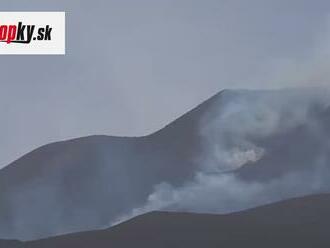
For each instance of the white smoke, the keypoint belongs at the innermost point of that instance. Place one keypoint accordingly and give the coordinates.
(229, 131)
(225, 193)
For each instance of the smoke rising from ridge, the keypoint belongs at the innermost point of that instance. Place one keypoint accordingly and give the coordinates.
(232, 131)
(237, 150)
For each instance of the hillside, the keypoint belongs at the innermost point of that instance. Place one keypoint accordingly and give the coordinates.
(300, 222)
(237, 150)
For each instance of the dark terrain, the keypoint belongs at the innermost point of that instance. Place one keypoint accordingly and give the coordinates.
(89, 183)
(301, 222)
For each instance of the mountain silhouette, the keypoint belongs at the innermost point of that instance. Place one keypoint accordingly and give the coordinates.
(262, 146)
(300, 222)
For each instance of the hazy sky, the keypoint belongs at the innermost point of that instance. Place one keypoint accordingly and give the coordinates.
(133, 66)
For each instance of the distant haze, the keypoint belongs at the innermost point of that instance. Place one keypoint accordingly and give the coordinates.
(133, 66)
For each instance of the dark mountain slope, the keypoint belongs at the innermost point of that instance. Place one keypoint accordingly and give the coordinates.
(301, 222)
(272, 143)
(87, 183)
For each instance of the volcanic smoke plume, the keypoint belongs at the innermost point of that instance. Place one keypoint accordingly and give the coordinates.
(237, 150)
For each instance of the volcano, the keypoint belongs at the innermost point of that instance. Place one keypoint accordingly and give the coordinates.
(239, 149)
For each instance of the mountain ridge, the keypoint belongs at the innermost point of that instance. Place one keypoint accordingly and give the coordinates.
(93, 182)
(299, 221)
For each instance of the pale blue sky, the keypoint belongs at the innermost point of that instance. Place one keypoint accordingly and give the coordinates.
(133, 66)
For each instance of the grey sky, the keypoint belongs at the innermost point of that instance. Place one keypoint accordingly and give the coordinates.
(133, 66)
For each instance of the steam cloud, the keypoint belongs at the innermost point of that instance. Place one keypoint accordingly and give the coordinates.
(229, 132)
(238, 150)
